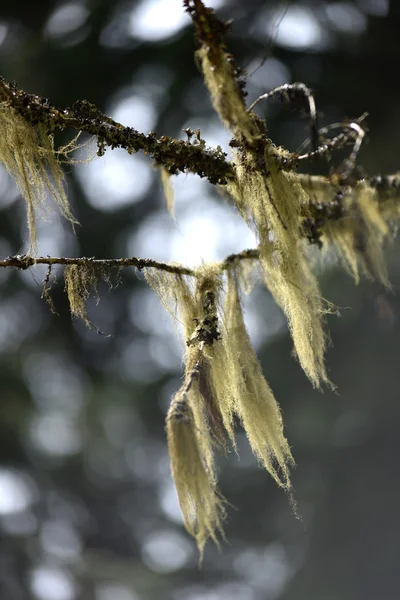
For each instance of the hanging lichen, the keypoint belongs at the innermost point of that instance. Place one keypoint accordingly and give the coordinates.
(222, 379)
(272, 201)
(255, 403)
(194, 422)
(27, 152)
(80, 281)
(268, 198)
(201, 503)
(168, 189)
(223, 88)
(359, 237)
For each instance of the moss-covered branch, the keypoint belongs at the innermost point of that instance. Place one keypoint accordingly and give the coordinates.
(182, 156)
(174, 155)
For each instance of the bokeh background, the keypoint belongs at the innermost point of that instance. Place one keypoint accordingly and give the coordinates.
(87, 506)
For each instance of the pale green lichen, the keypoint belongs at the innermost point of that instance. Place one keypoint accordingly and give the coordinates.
(27, 152)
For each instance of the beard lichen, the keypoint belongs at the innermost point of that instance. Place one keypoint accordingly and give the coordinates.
(223, 380)
(168, 190)
(359, 237)
(201, 503)
(80, 281)
(225, 94)
(255, 403)
(273, 202)
(27, 152)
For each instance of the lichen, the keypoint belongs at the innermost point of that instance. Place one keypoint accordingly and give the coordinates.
(27, 151)
(273, 202)
(201, 503)
(359, 237)
(168, 190)
(80, 282)
(223, 379)
(255, 403)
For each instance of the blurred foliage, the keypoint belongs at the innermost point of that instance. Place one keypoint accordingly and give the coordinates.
(87, 506)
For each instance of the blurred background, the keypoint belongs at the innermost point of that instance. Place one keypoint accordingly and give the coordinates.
(87, 506)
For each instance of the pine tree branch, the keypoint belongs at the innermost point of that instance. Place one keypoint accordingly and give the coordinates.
(25, 261)
(174, 155)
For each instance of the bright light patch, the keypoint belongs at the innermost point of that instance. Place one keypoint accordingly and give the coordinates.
(166, 551)
(66, 19)
(197, 236)
(299, 29)
(155, 20)
(266, 568)
(54, 382)
(55, 434)
(169, 502)
(212, 131)
(51, 583)
(8, 190)
(135, 111)
(114, 591)
(16, 495)
(116, 180)
(268, 76)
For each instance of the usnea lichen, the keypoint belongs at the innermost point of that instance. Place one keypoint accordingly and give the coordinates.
(80, 281)
(255, 403)
(359, 237)
(272, 201)
(168, 190)
(269, 199)
(224, 91)
(27, 152)
(223, 378)
(202, 505)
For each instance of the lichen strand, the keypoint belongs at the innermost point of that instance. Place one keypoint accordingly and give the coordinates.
(197, 308)
(222, 82)
(221, 73)
(222, 379)
(194, 422)
(27, 152)
(273, 202)
(359, 237)
(168, 190)
(80, 281)
(255, 403)
(201, 503)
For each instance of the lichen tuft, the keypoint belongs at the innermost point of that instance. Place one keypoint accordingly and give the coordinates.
(27, 151)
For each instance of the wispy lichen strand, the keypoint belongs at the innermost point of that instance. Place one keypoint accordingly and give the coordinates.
(223, 379)
(27, 152)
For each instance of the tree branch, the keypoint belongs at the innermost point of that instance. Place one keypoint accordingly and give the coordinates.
(25, 261)
(175, 155)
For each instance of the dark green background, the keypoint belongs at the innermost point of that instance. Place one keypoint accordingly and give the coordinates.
(86, 504)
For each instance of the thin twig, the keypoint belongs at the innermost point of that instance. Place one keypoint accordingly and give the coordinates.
(25, 261)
